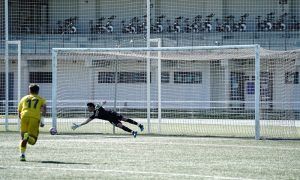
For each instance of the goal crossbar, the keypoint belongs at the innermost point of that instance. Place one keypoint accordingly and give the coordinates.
(55, 50)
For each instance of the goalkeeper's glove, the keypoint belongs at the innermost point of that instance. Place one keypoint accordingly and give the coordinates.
(100, 104)
(75, 126)
(97, 106)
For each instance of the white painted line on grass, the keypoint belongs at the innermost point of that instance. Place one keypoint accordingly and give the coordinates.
(127, 172)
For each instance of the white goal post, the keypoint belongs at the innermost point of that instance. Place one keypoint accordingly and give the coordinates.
(199, 90)
(7, 70)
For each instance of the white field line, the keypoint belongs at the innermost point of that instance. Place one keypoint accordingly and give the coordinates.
(166, 143)
(122, 171)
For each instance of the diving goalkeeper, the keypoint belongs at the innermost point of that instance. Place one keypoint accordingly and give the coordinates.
(113, 117)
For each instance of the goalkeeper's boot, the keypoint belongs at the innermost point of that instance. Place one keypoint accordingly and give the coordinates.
(141, 127)
(22, 157)
(134, 133)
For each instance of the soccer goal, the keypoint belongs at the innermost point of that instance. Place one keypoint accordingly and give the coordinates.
(232, 91)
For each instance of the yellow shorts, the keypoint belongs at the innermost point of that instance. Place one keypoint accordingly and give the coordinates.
(31, 126)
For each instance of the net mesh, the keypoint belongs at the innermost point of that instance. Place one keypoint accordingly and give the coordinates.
(43, 25)
(203, 92)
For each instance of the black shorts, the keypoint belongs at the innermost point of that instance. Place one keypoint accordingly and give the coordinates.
(114, 118)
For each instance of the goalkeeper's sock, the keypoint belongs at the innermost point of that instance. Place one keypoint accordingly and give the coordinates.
(126, 129)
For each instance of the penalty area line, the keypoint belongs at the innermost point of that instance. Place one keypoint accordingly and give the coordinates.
(127, 172)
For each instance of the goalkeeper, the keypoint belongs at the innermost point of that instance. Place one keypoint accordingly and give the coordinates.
(111, 116)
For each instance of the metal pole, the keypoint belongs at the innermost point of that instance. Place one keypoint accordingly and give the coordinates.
(19, 75)
(257, 92)
(158, 41)
(18, 43)
(116, 89)
(54, 87)
(159, 85)
(6, 65)
(19, 70)
(148, 67)
(6, 20)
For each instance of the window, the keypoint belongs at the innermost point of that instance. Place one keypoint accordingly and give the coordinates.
(2, 86)
(188, 77)
(132, 77)
(123, 77)
(296, 78)
(106, 77)
(40, 77)
(292, 78)
(282, 1)
(101, 63)
(165, 77)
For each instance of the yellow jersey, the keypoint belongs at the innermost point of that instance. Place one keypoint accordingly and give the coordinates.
(30, 106)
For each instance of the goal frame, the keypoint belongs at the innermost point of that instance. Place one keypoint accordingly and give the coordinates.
(6, 59)
(255, 47)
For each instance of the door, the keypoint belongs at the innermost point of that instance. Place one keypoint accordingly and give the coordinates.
(266, 90)
(10, 90)
(237, 90)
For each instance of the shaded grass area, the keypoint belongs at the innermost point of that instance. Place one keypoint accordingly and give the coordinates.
(149, 157)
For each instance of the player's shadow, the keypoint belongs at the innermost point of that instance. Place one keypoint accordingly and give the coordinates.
(60, 162)
(117, 137)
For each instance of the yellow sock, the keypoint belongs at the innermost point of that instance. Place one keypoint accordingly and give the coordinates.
(31, 140)
(22, 149)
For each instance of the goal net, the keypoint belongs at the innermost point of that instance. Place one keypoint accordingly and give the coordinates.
(198, 91)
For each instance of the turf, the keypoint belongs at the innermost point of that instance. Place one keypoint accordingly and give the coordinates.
(100, 156)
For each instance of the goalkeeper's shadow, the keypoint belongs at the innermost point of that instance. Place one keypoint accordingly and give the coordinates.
(60, 162)
(100, 135)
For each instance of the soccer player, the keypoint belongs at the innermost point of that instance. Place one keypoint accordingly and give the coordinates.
(111, 116)
(29, 109)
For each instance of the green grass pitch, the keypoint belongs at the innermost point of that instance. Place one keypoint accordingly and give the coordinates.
(102, 156)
